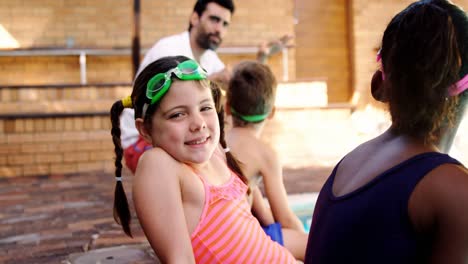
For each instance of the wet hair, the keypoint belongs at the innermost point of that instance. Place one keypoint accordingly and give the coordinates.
(122, 213)
(423, 55)
(200, 7)
(252, 91)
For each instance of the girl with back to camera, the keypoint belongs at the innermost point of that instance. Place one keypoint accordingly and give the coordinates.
(189, 194)
(397, 198)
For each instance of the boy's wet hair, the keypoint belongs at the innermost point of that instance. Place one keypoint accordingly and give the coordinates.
(423, 54)
(122, 213)
(252, 90)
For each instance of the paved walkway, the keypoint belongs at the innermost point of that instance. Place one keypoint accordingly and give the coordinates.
(45, 219)
(55, 219)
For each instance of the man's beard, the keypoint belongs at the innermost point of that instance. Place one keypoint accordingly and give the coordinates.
(204, 41)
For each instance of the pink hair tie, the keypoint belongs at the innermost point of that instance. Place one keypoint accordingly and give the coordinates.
(459, 87)
(379, 59)
(379, 56)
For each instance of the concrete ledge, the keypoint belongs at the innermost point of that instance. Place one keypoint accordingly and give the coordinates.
(123, 51)
(14, 116)
(141, 254)
(300, 95)
(65, 85)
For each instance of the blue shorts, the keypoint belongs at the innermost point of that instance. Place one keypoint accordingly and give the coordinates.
(274, 231)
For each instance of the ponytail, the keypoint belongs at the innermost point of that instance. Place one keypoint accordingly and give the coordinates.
(232, 162)
(121, 210)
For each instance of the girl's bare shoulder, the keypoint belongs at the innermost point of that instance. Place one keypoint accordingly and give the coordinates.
(442, 195)
(156, 160)
(447, 179)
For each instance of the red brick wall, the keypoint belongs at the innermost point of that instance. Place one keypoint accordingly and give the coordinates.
(55, 146)
(327, 45)
(338, 39)
(109, 23)
(65, 145)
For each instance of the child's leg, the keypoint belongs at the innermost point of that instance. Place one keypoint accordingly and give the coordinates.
(296, 242)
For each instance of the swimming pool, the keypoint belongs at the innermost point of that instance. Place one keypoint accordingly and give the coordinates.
(303, 206)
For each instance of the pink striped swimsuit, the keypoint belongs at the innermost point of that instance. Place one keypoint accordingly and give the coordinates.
(229, 233)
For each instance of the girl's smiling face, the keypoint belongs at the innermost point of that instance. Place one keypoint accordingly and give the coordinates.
(186, 124)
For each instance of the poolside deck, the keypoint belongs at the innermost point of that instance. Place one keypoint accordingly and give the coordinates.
(45, 219)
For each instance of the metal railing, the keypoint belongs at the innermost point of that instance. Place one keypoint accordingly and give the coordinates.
(82, 54)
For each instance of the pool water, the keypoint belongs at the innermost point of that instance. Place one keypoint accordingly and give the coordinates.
(303, 206)
(306, 221)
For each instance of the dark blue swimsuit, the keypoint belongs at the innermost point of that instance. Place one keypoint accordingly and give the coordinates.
(371, 224)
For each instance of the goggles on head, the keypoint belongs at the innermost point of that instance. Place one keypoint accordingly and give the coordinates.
(458, 88)
(159, 84)
(379, 59)
(250, 118)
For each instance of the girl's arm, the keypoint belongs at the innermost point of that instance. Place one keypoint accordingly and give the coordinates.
(275, 191)
(158, 203)
(260, 209)
(438, 207)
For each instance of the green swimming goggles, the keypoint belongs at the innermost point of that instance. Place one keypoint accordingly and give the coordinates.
(159, 84)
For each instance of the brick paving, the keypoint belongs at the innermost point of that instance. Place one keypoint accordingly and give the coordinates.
(45, 219)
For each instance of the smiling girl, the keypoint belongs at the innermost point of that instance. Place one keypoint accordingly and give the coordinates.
(189, 193)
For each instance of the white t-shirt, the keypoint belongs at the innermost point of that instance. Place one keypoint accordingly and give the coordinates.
(180, 45)
(168, 46)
